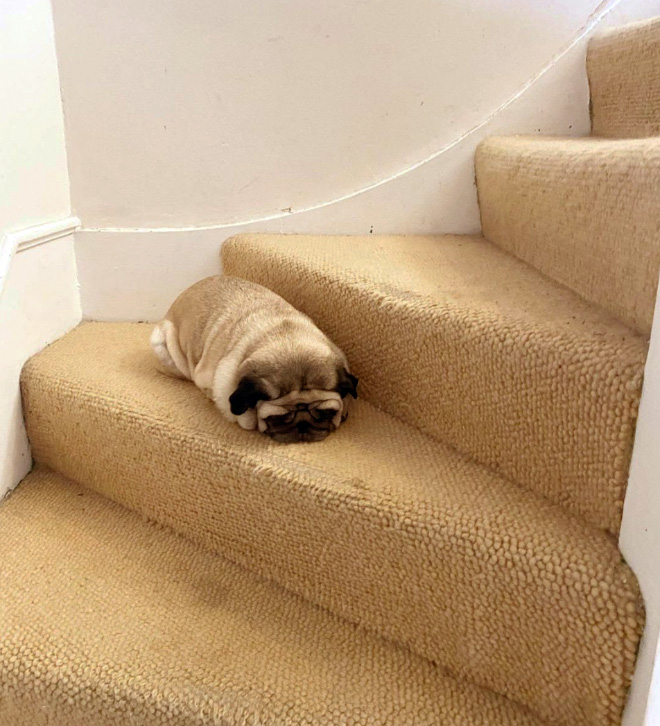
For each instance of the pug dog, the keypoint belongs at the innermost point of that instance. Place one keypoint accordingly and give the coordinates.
(263, 363)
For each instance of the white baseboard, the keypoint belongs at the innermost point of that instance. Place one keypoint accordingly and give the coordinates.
(22, 239)
(39, 302)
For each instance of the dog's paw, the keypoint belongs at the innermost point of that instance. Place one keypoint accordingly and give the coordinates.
(158, 342)
(248, 420)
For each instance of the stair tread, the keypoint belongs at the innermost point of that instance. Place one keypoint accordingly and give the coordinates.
(487, 341)
(379, 523)
(109, 619)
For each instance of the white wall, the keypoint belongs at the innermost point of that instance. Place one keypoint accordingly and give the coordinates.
(34, 185)
(40, 297)
(653, 702)
(263, 114)
(192, 113)
(135, 275)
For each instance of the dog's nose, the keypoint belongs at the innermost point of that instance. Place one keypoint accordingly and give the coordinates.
(303, 427)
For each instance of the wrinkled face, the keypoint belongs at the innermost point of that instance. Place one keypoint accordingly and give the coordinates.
(294, 405)
(301, 416)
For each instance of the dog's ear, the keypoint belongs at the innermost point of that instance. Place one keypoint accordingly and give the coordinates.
(246, 396)
(346, 384)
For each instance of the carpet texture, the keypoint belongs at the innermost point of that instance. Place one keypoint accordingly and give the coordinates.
(467, 343)
(379, 524)
(624, 79)
(585, 212)
(186, 638)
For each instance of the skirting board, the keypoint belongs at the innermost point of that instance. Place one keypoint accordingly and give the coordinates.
(13, 242)
(39, 302)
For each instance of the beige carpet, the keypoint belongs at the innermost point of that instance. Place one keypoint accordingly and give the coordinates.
(379, 523)
(586, 212)
(108, 620)
(624, 79)
(472, 346)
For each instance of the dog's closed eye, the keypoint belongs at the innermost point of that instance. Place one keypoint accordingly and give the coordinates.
(282, 420)
(323, 414)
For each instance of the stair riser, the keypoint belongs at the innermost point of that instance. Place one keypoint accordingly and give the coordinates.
(480, 384)
(624, 79)
(586, 217)
(335, 546)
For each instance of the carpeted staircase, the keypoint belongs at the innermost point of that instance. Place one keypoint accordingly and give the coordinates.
(448, 557)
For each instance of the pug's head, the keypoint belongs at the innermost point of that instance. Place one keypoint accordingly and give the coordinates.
(305, 401)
